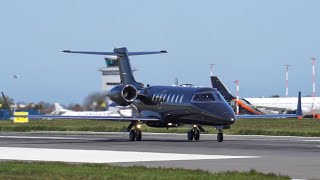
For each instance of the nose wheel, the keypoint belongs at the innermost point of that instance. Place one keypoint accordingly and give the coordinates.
(193, 134)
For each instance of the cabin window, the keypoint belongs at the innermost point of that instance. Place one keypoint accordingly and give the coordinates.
(157, 97)
(160, 98)
(153, 97)
(164, 98)
(168, 98)
(177, 98)
(172, 98)
(181, 98)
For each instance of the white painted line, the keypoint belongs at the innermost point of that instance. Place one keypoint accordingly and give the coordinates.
(148, 133)
(312, 140)
(98, 156)
(40, 137)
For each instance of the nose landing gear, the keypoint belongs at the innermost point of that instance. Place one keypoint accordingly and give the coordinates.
(220, 136)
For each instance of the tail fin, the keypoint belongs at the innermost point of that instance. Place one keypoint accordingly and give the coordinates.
(216, 83)
(122, 55)
(59, 110)
(7, 104)
(58, 107)
(299, 108)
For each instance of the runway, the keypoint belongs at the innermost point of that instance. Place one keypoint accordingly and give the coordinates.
(297, 157)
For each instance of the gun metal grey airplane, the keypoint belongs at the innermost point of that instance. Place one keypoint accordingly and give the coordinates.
(163, 106)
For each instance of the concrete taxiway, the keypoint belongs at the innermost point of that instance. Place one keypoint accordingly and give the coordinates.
(297, 157)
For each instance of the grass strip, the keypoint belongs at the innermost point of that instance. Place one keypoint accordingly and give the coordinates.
(277, 127)
(41, 170)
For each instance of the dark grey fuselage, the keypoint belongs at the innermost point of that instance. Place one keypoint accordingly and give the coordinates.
(175, 104)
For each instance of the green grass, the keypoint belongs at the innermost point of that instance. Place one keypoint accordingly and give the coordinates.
(40, 170)
(288, 127)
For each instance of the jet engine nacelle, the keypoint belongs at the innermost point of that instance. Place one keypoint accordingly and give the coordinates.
(123, 94)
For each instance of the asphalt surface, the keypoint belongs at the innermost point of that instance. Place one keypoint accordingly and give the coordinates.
(297, 157)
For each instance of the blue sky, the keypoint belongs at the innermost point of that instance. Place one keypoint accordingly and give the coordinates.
(247, 40)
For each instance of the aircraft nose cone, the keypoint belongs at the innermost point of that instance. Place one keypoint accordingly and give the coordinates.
(229, 117)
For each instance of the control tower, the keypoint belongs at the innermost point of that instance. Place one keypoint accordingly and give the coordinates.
(110, 75)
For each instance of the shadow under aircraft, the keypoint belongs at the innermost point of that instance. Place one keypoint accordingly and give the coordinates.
(164, 106)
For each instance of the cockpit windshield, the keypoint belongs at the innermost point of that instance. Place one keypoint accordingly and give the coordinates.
(203, 97)
(207, 97)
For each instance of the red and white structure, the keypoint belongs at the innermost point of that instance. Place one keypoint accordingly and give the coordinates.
(237, 94)
(287, 79)
(314, 85)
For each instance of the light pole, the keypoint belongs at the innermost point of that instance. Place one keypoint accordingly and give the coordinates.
(237, 94)
(313, 85)
(211, 69)
(287, 79)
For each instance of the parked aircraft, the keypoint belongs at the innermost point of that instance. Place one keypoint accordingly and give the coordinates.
(277, 105)
(164, 106)
(244, 106)
(59, 110)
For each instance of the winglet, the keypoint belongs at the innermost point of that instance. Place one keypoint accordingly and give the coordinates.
(7, 104)
(299, 107)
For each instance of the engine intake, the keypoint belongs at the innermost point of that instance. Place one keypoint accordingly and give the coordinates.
(123, 94)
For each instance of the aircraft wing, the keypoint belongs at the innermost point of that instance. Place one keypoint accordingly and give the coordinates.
(102, 118)
(266, 116)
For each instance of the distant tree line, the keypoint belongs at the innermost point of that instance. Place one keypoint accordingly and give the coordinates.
(93, 102)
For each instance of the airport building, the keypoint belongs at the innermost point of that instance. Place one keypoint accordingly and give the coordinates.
(110, 75)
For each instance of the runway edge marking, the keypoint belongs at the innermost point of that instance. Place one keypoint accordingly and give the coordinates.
(101, 156)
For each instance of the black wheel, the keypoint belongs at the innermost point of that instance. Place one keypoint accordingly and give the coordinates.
(220, 137)
(196, 135)
(132, 135)
(190, 134)
(138, 135)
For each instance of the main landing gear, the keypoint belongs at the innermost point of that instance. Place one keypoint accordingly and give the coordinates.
(194, 133)
(135, 134)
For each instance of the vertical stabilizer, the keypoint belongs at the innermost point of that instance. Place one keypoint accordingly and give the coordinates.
(299, 107)
(126, 74)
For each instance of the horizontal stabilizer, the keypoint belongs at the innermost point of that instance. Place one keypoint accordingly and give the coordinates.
(115, 54)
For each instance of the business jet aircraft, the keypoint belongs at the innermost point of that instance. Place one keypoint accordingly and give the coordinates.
(163, 106)
(279, 105)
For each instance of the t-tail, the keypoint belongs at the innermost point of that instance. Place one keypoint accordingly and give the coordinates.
(122, 55)
(216, 83)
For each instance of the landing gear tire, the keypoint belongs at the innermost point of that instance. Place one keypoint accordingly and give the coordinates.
(138, 135)
(132, 135)
(135, 135)
(220, 137)
(190, 134)
(196, 135)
